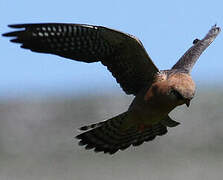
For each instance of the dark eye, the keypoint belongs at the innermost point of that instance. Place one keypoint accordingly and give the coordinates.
(177, 94)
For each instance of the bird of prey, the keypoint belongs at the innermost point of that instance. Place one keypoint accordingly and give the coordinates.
(157, 92)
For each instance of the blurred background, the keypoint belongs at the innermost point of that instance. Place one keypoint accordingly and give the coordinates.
(45, 98)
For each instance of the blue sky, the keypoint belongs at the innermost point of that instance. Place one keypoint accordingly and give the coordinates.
(166, 28)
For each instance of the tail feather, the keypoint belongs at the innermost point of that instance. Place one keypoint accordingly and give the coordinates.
(109, 136)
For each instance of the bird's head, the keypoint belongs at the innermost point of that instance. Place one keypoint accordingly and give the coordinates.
(172, 91)
(181, 88)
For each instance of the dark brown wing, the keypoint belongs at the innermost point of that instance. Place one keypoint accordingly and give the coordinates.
(123, 54)
(187, 61)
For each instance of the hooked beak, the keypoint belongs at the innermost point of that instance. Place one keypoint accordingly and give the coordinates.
(187, 102)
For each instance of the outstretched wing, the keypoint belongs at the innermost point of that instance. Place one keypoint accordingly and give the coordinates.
(187, 61)
(123, 54)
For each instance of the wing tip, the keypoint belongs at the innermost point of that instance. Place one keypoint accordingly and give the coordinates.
(16, 40)
(213, 32)
(17, 25)
(6, 34)
(215, 26)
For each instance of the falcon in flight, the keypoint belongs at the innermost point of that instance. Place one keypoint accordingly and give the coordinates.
(157, 92)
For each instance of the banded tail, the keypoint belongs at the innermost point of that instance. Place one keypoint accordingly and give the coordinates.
(112, 135)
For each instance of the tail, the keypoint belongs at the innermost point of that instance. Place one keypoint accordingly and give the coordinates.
(112, 135)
